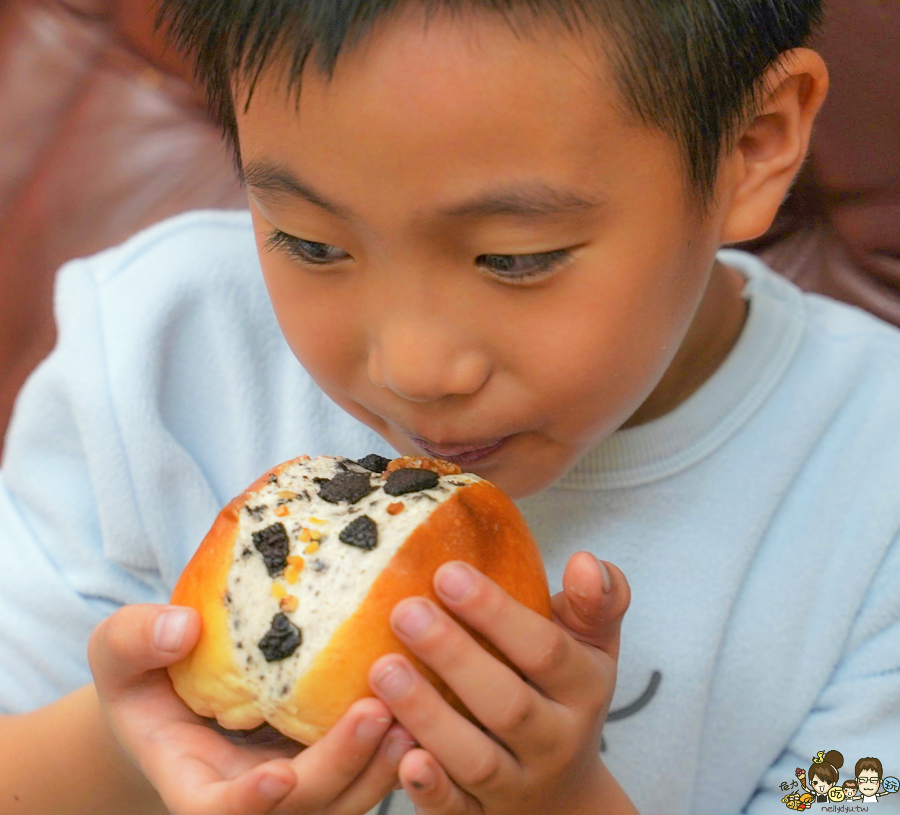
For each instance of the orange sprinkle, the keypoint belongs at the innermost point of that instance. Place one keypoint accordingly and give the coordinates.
(295, 560)
(315, 534)
(438, 465)
(316, 520)
(291, 573)
(396, 508)
(278, 591)
(304, 535)
(312, 548)
(287, 494)
(282, 510)
(288, 603)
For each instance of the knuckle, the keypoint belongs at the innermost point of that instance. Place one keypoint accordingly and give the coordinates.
(484, 772)
(553, 654)
(117, 640)
(444, 646)
(519, 714)
(95, 644)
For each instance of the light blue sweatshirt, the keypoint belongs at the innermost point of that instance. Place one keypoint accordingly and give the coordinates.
(757, 523)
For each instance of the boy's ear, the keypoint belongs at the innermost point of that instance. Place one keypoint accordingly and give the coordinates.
(771, 148)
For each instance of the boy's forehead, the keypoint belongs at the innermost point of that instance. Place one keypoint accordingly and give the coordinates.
(529, 116)
(456, 68)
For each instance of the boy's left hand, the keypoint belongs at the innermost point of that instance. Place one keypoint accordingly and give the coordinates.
(541, 751)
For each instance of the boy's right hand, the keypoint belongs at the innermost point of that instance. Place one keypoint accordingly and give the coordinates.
(196, 770)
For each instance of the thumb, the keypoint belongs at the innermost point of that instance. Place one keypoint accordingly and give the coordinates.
(593, 601)
(137, 639)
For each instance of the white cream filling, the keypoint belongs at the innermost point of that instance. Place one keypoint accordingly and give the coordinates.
(334, 579)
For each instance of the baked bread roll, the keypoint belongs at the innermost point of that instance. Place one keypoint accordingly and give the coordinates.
(296, 580)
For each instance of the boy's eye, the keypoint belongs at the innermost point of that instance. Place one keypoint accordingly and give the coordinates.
(315, 254)
(522, 267)
(507, 267)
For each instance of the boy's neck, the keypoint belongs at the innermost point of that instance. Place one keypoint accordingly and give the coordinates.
(710, 338)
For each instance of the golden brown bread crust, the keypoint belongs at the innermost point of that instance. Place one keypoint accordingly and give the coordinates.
(477, 524)
(207, 679)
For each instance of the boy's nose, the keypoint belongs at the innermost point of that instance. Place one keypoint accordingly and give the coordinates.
(425, 365)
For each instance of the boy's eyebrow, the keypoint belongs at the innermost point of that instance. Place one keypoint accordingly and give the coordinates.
(528, 199)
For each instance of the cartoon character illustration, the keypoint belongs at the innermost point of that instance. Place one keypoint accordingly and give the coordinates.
(823, 774)
(869, 773)
(797, 801)
(850, 791)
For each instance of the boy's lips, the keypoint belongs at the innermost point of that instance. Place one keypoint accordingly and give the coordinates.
(460, 453)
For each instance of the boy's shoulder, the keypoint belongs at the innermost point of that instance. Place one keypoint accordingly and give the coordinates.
(200, 239)
(836, 344)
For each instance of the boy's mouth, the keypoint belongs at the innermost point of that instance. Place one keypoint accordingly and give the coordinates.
(461, 453)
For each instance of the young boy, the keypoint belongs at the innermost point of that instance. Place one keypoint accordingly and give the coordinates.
(487, 232)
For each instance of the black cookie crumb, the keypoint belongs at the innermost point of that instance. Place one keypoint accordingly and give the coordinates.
(320, 480)
(272, 543)
(318, 565)
(256, 512)
(349, 487)
(374, 463)
(281, 640)
(348, 465)
(408, 479)
(246, 552)
(361, 532)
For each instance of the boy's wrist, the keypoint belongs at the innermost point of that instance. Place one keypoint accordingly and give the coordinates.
(130, 781)
(91, 773)
(608, 797)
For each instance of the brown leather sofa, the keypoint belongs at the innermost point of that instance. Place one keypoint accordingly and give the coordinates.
(102, 133)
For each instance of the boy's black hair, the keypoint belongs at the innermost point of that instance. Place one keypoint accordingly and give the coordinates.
(691, 68)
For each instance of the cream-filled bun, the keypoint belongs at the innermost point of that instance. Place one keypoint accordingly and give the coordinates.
(296, 580)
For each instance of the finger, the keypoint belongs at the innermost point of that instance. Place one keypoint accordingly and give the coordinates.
(137, 639)
(379, 777)
(471, 757)
(594, 599)
(528, 723)
(430, 788)
(329, 766)
(190, 785)
(562, 668)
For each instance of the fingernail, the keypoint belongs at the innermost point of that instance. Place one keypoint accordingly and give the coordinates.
(456, 581)
(423, 780)
(170, 628)
(397, 748)
(415, 618)
(395, 680)
(273, 786)
(370, 729)
(607, 580)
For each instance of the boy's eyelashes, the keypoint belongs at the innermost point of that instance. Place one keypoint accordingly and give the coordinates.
(506, 267)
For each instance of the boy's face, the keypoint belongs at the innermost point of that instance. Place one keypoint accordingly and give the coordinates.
(438, 149)
(869, 781)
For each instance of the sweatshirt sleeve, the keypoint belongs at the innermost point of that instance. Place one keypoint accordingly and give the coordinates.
(59, 543)
(858, 711)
